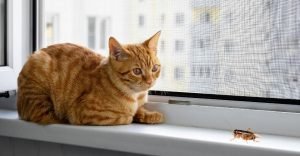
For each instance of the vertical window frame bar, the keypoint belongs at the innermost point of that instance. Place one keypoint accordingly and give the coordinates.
(37, 21)
(5, 55)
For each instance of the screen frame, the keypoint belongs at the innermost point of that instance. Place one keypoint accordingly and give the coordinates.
(36, 44)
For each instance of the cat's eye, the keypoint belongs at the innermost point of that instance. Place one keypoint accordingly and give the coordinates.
(155, 68)
(137, 71)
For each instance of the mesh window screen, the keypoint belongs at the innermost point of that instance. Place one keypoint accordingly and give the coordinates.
(228, 47)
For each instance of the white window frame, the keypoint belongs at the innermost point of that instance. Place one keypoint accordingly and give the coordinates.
(16, 43)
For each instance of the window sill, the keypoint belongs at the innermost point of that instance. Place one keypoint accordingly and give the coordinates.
(161, 139)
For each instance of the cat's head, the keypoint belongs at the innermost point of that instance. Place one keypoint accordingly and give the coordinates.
(136, 65)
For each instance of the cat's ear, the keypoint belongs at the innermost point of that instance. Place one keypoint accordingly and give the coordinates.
(152, 42)
(116, 50)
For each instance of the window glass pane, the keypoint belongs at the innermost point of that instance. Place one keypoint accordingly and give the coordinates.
(228, 47)
(2, 32)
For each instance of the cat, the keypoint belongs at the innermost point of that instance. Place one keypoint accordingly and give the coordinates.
(71, 84)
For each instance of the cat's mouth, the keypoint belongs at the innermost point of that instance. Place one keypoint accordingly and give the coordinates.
(142, 87)
(149, 85)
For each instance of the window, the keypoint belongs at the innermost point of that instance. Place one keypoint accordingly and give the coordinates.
(198, 43)
(201, 72)
(229, 17)
(207, 17)
(98, 30)
(229, 75)
(194, 69)
(141, 20)
(207, 42)
(104, 30)
(2, 32)
(228, 46)
(179, 18)
(162, 45)
(207, 72)
(197, 71)
(15, 41)
(162, 19)
(240, 72)
(52, 31)
(239, 38)
(179, 45)
(92, 32)
(178, 73)
(162, 73)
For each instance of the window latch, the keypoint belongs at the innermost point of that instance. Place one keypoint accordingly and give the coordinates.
(179, 102)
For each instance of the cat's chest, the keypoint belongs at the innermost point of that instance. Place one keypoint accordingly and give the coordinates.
(134, 106)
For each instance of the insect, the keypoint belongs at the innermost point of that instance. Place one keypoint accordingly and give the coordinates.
(245, 134)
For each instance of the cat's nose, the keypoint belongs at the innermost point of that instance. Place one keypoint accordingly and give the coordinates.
(149, 81)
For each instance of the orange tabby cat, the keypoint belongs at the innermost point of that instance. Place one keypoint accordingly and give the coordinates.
(67, 83)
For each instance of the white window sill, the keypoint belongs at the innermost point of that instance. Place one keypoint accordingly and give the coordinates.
(161, 139)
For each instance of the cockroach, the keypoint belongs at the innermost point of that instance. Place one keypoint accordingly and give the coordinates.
(245, 134)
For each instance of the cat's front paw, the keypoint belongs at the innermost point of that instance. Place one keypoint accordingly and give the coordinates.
(149, 118)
